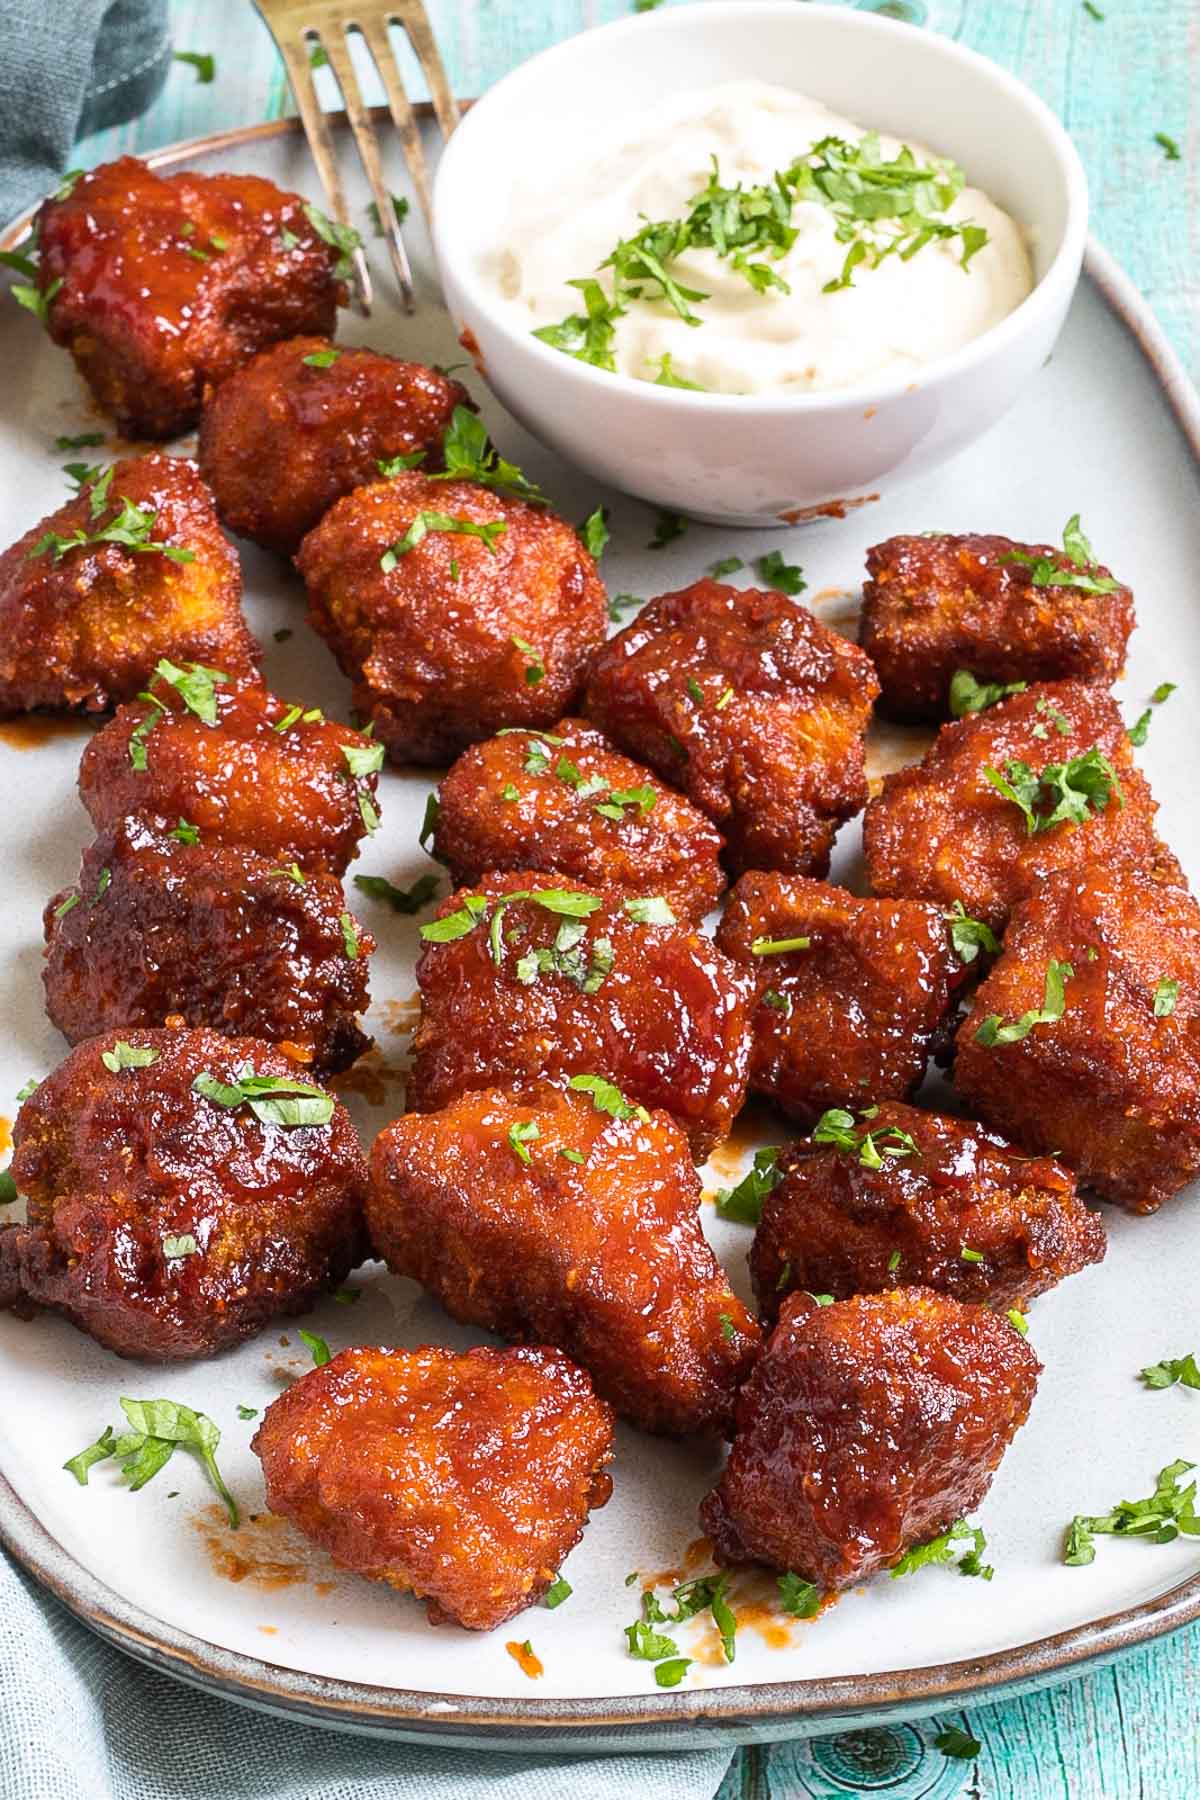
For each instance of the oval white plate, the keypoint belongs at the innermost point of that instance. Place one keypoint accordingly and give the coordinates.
(260, 1616)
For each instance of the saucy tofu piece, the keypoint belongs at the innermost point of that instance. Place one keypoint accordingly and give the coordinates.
(520, 979)
(902, 1198)
(169, 1221)
(160, 285)
(1002, 799)
(158, 927)
(535, 1214)
(852, 995)
(867, 1427)
(463, 1479)
(1005, 611)
(239, 766)
(85, 616)
(752, 707)
(1084, 1039)
(453, 609)
(306, 422)
(568, 803)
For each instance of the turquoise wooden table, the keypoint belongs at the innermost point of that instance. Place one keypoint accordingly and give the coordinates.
(1116, 81)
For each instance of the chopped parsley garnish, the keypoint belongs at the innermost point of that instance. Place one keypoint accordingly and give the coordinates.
(521, 1133)
(130, 527)
(87, 440)
(1167, 145)
(594, 533)
(535, 669)
(620, 604)
(728, 565)
(391, 466)
(1018, 1321)
(780, 1003)
(970, 696)
(837, 1128)
(1139, 730)
(942, 1550)
(66, 906)
(273, 1099)
(726, 1324)
(156, 1427)
(428, 822)
(363, 759)
(8, 1187)
(969, 936)
(586, 968)
(128, 1056)
(195, 685)
(183, 833)
(510, 791)
(1078, 571)
(765, 946)
(666, 376)
(36, 300)
(992, 1031)
(469, 455)
(1092, 10)
(606, 1097)
(247, 1412)
(203, 61)
(317, 1348)
(399, 213)
(1064, 792)
(969, 1255)
(401, 900)
(557, 1592)
(27, 1088)
(321, 359)
(1167, 1512)
(457, 924)
(668, 527)
(801, 1599)
(368, 814)
(1165, 1374)
(705, 1593)
(572, 1156)
(952, 1740)
(292, 872)
(1166, 994)
(670, 1673)
(346, 1296)
(745, 1201)
(425, 522)
(614, 805)
(785, 578)
(650, 909)
(342, 238)
(349, 936)
(175, 1248)
(297, 715)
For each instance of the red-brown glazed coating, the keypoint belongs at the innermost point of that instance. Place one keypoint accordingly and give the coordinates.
(666, 1018)
(121, 1167)
(285, 790)
(599, 1252)
(1113, 1085)
(941, 831)
(835, 1224)
(166, 283)
(434, 644)
(752, 707)
(932, 605)
(463, 1479)
(85, 630)
(572, 804)
(867, 1427)
(306, 422)
(212, 934)
(852, 1018)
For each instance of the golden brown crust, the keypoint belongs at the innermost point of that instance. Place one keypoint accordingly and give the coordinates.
(1110, 1087)
(752, 707)
(853, 1018)
(85, 630)
(214, 935)
(286, 436)
(836, 1225)
(431, 643)
(520, 801)
(940, 831)
(116, 1165)
(465, 1479)
(867, 1427)
(932, 605)
(285, 790)
(171, 282)
(667, 1022)
(600, 1253)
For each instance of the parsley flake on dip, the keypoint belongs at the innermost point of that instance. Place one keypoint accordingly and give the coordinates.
(743, 239)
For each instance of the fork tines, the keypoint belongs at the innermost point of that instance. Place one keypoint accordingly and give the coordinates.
(301, 27)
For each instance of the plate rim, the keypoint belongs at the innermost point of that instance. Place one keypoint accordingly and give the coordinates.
(724, 1715)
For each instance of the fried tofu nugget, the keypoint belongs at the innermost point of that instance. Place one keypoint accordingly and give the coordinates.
(907, 1197)
(454, 610)
(134, 568)
(161, 284)
(852, 994)
(752, 707)
(171, 1221)
(530, 1212)
(463, 1479)
(521, 979)
(306, 422)
(933, 605)
(238, 766)
(867, 1427)
(1085, 1038)
(158, 927)
(570, 804)
(1062, 791)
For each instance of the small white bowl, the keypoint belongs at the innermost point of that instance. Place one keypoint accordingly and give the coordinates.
(762, 459)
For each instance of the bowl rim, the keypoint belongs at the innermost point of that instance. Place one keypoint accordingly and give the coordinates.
(458, 275)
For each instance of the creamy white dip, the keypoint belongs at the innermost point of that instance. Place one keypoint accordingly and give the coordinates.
(895, 317)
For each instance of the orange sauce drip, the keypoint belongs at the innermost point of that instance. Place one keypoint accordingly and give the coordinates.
(526, 1661)
(754, 1125)
(36, 729)
(264, 1550)
(401, 1016)
(5, 1134)
(371, 1077)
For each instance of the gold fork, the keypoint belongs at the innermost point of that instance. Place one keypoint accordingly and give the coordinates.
(299, 28)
